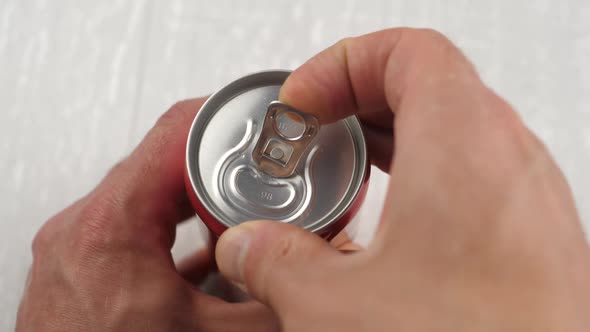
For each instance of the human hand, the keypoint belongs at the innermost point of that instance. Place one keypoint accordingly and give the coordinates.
(479, 230)
(104, 263)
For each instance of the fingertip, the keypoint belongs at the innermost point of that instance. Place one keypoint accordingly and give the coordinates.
(320, 87)
(259, 254)
(304, 94)
(232, 249)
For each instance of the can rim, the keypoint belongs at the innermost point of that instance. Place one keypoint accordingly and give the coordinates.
(222, 96)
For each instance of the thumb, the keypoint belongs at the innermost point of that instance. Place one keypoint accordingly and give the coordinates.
(271, 259)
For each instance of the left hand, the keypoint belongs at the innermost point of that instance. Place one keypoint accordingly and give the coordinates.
(104, 263)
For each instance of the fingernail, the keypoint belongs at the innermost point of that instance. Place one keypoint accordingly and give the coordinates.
(232, 250)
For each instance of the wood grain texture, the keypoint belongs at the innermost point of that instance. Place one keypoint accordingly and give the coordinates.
(68, 89)
(82, 81)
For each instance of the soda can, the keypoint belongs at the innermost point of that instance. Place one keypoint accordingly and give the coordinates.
(250, 157)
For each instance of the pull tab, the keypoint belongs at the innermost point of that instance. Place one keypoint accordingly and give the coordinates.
(286, 134)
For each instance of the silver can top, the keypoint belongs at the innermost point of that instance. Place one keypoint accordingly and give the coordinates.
(250, 158)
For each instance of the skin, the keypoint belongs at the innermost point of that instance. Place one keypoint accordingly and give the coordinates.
(479, 231)
(104, 263)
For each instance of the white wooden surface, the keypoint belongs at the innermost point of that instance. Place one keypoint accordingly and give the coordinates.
(82, 81)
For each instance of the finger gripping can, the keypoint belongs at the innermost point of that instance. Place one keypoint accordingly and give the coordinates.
(250, 157)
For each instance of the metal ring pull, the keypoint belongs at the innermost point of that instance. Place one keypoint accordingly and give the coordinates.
(286, 134)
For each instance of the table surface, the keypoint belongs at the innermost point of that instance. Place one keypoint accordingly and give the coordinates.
(82, 81)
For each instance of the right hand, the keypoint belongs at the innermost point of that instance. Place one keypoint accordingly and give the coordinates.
(479, 230)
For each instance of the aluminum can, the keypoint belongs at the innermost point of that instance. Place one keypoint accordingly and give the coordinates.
(250, 157)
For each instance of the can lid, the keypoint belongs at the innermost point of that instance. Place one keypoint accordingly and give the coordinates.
(250, 157)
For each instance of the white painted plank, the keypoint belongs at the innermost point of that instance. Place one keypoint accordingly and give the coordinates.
(67, 93)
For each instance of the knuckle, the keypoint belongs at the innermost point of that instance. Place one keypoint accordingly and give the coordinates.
(48, 235)
(431, 35)
(42, 239)
(345, 42)
(165, 131)
(424, 37)
(535, 144)
(118, 168)
(429, 44)
(98, 224)
(506, 135)
(525, 143)
(177, 113)
(52, 231)
(505, 123)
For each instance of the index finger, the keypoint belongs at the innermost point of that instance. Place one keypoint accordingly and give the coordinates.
(373, 72)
